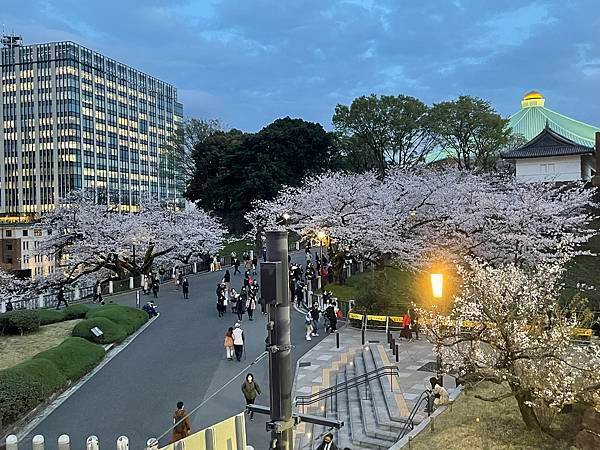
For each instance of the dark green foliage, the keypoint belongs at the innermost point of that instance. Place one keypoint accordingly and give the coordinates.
(19, 322)
(74, 357)
(389, 291)
(112, 331)
(130, 319)
(232, 169)
(76, 311)
(49, 316)
(25, 386)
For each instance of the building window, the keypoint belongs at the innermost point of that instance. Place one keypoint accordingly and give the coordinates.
(8, 233)
(25, 233)
(37, 232)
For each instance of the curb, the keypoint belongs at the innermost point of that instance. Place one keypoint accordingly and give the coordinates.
(54, 404)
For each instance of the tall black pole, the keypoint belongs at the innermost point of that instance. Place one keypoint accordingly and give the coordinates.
(280, 367)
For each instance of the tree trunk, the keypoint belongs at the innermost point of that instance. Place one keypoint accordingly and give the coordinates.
(527, 412)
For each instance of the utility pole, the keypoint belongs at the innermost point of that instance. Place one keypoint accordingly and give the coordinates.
(279, 347)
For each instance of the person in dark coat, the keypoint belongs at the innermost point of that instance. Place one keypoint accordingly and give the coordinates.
(155, 288)
(251, 390)
(181, 423)
(236, 266)
(9, 306)
(240, 305)
(60, 297)
(185, 288)
(327, 443)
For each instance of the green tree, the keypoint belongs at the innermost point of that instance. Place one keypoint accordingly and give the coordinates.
(232, 169)
(470, 132)
(394, 130)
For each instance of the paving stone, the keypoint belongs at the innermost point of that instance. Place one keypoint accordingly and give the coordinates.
(325, 357)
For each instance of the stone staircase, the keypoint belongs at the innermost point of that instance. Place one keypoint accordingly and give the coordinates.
(374, 413)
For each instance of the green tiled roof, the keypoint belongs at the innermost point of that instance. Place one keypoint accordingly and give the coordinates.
(531, 120)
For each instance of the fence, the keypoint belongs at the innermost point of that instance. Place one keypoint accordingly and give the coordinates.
(227, 434)
(80, 294)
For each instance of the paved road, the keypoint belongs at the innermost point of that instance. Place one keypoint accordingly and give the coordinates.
(179, 357)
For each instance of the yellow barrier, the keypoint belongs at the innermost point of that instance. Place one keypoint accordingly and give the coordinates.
(376, 318)
(223, 434)
(355, 316)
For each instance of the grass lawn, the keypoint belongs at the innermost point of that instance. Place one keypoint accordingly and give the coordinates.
(500, 426)
(16, 349)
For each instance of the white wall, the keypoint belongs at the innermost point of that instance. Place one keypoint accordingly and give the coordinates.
(588, 167)
(555, 168)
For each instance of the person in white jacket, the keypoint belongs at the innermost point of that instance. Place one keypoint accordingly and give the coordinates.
(238, 341)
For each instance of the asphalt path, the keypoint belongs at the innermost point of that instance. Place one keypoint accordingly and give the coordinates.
(178, 357)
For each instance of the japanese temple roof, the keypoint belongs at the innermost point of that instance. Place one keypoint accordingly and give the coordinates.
(548, 143)
(534, 116)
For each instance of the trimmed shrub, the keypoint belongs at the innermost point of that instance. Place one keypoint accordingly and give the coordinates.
(129, 318)
(19, 322)
(112, 331)
(74, 357)
(25, 386)
(49, 316)
(76, 312)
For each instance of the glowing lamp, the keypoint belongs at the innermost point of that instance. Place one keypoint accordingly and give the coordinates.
(437, 285)
(286, 216)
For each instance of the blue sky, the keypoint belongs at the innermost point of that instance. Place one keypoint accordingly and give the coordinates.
(248, 62)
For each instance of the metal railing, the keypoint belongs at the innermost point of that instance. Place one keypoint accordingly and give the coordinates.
(375, 374)
(410, 423)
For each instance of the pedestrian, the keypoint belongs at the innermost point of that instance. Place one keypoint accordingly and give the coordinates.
(327, 443)
(60, 298)
(440, 394)
(240, 305)
(264, 254)
(161, 274)
(308, 256)
(314, 313)
(146, 284)
(221, 307)
(308, 323)
(97, 292)
(238, 341)
(251, 390)
(415, 326)
(331, 316)
(228, 343)
(185, 288)
(406, 326)
(251, 305)
(254, 265)
(227, 280)
(181, 423)
(236, 266)
(155, 288)
(150, 309)
(263, 306)
(9, 306)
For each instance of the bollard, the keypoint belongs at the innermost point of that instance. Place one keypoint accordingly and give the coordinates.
(363, 336)
(38, 442)
(393, 346)
(64, 442)
(137, 299)
(131, 283)
(92, 443)
(389, 337)
(123, 443)
(195, 267)
(152, 444)
(12, 443)
(337, 339)
(397, 353)
(111, 287)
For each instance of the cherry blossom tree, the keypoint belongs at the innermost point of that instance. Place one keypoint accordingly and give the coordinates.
(91, 239)
(408, 216)
(507, 326)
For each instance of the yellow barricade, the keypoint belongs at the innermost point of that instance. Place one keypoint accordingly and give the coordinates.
(355, 316)
(583, 332)
(376, 318)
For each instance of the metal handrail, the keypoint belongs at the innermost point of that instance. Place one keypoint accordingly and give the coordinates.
(304, 400)
(425, 396)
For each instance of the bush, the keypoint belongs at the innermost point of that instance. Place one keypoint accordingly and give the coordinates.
(19, 322)
(49, 316)
(76, 312)
(74, 357)
(25, 386)
(128, 318)
(112, 332)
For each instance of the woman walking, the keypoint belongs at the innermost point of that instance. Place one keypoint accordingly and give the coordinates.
(228, 343)
(240, 307)
(227, 280)
(181, 423)
(251, 390)
(251, 306)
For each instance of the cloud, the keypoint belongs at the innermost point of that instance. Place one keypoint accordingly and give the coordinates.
(249, 62)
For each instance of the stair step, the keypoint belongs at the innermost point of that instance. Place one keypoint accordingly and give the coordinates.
(344, 435)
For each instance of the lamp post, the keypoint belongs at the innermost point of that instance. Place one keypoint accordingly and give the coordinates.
(321, 235)
(437, 291)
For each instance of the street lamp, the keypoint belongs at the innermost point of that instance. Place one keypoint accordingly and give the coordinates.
(437, 285)
(286, 216)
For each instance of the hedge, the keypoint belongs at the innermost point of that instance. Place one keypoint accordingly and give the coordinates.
(128, 318)
(112, 332)
(49, 316)
(74, 357)
(76, 311)
(25, 386)
(19, 322)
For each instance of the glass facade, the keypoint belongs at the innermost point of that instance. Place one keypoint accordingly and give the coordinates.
(74, 119)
